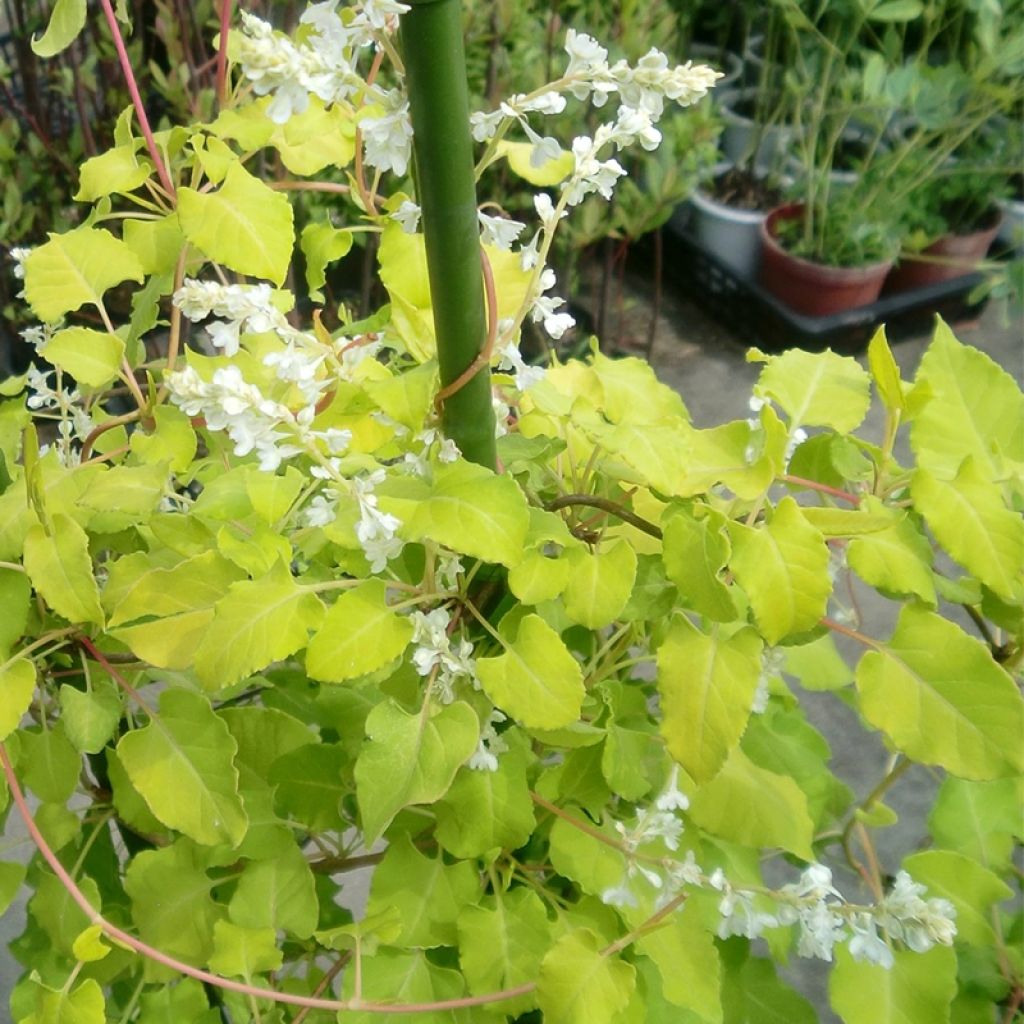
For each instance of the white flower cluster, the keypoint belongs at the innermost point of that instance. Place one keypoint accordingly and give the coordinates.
(376, 530)
(431, 439)
(323, 64)
(63, 405)
(485, 758)
(813, 903)
(254, 422)
(545, 307)
(435, 652)
(512, 361)
(241, 306)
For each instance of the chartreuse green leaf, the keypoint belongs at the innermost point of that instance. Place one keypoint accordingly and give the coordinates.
(592, 864)
(319, 137)
(885, 372)
(816, 389)
(752, 993)
(157, 243)
(278, 893)
(599, 584)
(322, 244)
(917, 989)
(17, 685)
(410, 759)
(257, 622)
(972, 889)
(359, 635)
(473, 511)
(941, 699)
(91, 357)
(550, 171)
(971, 521)
(428, 894)
(66, 22)
(538, 577)
(755, 807)
(117, 170)
(707, 685)
(242, 952)
(696, 551)
(402, 977)
(979, 819)
(536, 681)
(172, 440)
(171, 900)
(580, 985)
(244, 225)
(308, 787)
(172, 1004)
(485, 811)
(11, 877)
(183, 596)
(90, 716)
(973, 408)
(782, 741)
(897, 560)
(133, 491)
(61, 919)
(83, 1004)
(76, 268)
(783, 567)
(182, 765)
(818, 665)
(630, 390)
(502, 942)
(89, 945)
(687, 960)
(59, 566)
(15, 599)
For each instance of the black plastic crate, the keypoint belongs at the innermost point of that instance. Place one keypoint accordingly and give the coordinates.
(759, 318)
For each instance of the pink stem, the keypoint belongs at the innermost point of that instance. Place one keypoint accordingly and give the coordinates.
(133, 90)
(222, 53)
(799, 481)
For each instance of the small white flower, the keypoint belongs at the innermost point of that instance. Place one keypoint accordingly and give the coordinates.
(387, 140)
(499, 231)
(525, 375)
(672, 798)
(485, 759)
(867, 945)
(408, 215)
(619, 895)
(19, 254)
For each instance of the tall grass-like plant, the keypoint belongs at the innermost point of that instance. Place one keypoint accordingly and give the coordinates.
(266, 624)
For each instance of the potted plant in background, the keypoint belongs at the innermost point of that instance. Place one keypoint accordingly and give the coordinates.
(844, 234)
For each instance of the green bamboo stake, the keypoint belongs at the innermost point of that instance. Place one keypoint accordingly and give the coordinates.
(435, 67)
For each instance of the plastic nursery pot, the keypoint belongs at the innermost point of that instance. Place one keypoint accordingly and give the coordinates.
(730, 233)
(947, 258)
(740, 133)
(813, 289)
(1011, 231)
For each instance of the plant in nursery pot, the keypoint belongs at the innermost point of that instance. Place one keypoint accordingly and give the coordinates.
(951, 220)
(519, 639)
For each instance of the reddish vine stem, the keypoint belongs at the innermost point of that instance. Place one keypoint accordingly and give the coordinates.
(484, 357)
(97, 655)
(98, 431)
(853, 634)
(255, 991)
(133, 91)
(222, 53)
(813, 485)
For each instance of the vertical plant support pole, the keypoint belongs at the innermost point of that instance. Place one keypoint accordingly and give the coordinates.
(435, 68)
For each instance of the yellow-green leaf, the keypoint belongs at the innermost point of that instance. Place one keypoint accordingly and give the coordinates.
(599, 584)
(61, 570)
(76, 268)
(941, 699)
(549, 172)
(66, 22)
(245, 225)
(17, 685)
(707, 685)
(360, 634)
(117, 170)
(537, 681)
(182, 763)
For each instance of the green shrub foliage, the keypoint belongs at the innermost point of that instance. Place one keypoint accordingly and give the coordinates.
(265, 628)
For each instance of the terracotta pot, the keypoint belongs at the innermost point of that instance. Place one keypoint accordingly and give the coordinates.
(813, 288)
(955, 255)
